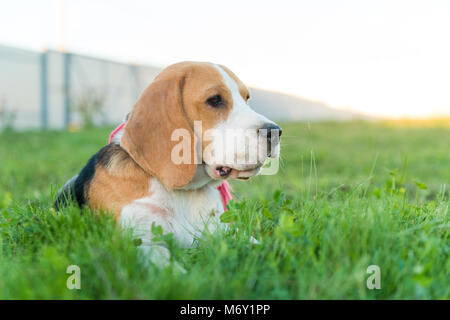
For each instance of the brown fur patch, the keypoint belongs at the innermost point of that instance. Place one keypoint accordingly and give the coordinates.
(118, 181)
(147, 135)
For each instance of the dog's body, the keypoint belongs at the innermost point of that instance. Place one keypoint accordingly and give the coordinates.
(112, 181)
(137, 176)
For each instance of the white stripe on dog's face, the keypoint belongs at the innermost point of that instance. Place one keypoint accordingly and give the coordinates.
(241, 116)
(235, 141)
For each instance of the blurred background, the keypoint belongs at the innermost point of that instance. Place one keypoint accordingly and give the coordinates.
(68, 63)
(361, 89)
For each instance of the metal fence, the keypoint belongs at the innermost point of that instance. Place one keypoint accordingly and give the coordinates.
(53, 89)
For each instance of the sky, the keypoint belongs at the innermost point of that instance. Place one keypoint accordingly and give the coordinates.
(385, 58)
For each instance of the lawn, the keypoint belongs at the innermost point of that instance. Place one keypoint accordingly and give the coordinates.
(347, 196)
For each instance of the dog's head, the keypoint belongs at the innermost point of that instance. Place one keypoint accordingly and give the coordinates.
(196, 113)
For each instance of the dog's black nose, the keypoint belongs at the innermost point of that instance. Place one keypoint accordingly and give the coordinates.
(270, 128)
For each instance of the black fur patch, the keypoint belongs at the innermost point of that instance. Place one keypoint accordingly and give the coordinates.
(105, 155)
(79, 188)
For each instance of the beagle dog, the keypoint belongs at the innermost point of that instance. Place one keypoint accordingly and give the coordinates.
(159, 169)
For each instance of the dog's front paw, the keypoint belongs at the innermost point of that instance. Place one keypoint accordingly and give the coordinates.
(178, 268)
(160, 257)
(253, 240)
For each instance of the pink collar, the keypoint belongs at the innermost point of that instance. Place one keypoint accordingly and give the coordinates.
(224, 188)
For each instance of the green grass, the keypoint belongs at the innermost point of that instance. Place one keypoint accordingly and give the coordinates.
(348, 195)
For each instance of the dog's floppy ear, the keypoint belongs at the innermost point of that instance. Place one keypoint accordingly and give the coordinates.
(147, 134)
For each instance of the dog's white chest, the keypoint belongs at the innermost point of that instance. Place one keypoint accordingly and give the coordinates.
(185, 213)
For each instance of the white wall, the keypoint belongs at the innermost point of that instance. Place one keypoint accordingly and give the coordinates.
(20, 86)
(118, 84)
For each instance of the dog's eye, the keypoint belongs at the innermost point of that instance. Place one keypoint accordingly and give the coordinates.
(215, 101)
